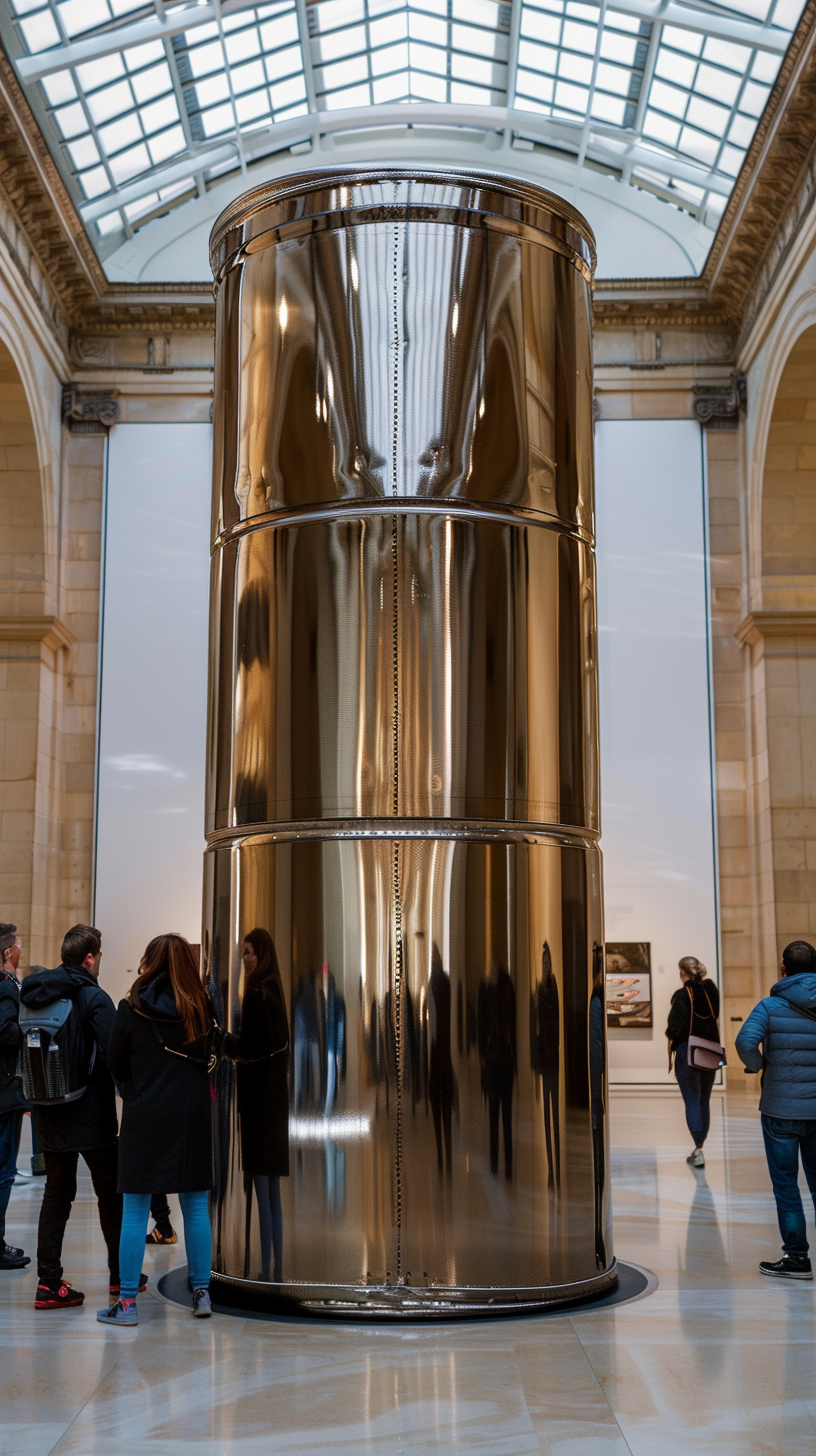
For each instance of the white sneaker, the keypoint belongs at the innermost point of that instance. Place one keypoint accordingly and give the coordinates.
(696, 1159)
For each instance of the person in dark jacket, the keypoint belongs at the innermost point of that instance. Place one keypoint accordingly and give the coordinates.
(497, 1053)
(12, 1103)
(86, 1127)
(440, 1061)
(545, 1049)
(261, 1050)
(161, 1055)
(779, 1039)
(694, 1011)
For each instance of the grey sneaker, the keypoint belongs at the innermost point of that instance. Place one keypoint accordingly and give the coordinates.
(696, 1159)
(118, 1314)
(202, 1309)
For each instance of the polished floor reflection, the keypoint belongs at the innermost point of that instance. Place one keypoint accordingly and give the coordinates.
(717, 1360)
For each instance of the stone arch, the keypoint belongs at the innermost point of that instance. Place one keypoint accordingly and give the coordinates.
(788, 520)
(30, 640)
(783, 632)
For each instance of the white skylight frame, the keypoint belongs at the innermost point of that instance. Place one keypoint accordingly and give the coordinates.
(169, 95)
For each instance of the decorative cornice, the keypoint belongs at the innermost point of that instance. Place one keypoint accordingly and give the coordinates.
(50, 631)
(32, 182)
(771, 197)
(758, 626)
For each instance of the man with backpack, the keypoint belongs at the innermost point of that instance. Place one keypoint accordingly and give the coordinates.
(779, 1039)
(12, 1104)
(66, 1021)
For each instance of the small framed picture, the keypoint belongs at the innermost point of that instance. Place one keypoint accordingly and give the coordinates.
(629, 984)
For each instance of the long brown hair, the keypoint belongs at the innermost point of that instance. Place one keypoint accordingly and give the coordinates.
(267, 968)
(174, 954)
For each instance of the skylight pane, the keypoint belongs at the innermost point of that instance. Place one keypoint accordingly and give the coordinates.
(59, 87)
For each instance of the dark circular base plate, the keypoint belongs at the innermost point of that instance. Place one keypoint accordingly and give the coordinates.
(249, 1301)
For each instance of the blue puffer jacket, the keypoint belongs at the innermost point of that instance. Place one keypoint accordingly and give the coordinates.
(788, 1047)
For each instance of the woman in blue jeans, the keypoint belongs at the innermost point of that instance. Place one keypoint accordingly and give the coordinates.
(160, 1055)
(697, 1004)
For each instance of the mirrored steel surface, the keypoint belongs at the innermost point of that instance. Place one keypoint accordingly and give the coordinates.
(402, 755)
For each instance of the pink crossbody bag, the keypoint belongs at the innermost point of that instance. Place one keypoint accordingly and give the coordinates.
(707, 1056)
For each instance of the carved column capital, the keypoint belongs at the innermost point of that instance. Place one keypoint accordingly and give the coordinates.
(719, 406)
(89, 411)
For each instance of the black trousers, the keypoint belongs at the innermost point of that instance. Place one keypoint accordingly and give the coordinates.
(500, 1096)
(159, 1208)
(58, 1198)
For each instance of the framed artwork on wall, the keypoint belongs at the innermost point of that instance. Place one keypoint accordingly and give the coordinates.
(629, 984)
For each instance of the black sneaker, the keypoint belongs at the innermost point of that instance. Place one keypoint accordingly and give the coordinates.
(790, 1266)
(57, 1296)
(11, 1258)
(114, 1287)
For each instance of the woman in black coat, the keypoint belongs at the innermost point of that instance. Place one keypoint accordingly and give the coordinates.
(261, 1050)
(161, 1057)
(694, 1008)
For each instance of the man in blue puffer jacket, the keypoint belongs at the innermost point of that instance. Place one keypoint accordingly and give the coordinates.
(783, 1025)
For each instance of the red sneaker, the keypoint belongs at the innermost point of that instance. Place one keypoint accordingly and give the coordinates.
(57, 1296)
(114, 1289)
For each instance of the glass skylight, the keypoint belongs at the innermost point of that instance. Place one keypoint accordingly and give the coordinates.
(145, 104)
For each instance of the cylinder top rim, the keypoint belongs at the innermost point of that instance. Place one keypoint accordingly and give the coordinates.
(480, 191)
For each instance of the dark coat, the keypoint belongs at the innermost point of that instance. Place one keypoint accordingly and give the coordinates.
(263, 1080)
(166, 1139)
(11, 1087)
(705, 1025)
(788, 1042)
(90, 1122)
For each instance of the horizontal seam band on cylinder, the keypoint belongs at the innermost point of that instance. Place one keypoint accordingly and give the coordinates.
(403, 506)
(502, 831)
(388, 214)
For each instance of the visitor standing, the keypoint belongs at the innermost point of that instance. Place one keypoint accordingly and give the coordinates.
(779, 1039)
(161, 1053)
(83, 1127)
(694, 1010)
(12, 1103)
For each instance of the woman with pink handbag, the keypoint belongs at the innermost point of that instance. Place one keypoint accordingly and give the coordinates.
(694, 1041)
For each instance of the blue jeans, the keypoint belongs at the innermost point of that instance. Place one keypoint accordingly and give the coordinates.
(784, 1141)
(196, 1215)
(10, 1127)
(695, 1085)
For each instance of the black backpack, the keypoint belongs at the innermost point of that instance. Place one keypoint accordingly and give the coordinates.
(57, 1052)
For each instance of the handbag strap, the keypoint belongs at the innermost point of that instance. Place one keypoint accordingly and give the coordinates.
(209, 1065)
(710, 1008)
(798, 1009)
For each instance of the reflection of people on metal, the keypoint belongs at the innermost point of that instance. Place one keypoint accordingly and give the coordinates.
(545, 1058)
(496, 1015)
(440, 1063)
(597, 1094)
(262, 1052)
(334, 1019)
(306, 1024)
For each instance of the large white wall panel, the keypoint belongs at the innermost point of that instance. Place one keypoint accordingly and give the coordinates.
(656, 763)
(150, 801)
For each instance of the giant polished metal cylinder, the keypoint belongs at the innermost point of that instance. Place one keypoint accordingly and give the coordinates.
(403, 774)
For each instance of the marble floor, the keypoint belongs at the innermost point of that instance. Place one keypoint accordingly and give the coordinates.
(717, 1359)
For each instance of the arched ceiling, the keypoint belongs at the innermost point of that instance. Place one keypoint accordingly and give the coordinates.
(157, 114)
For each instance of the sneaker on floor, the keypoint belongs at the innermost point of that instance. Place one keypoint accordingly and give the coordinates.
(114, 1287)
(118, 1314)
(160, 1236)
(57, 1296)
(202, 1309)
(21, 1175)
(11, 1258)
(790, 1266)
(696, 1159)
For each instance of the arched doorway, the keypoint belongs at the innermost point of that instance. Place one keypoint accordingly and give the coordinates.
(787, 629)
(29, 642)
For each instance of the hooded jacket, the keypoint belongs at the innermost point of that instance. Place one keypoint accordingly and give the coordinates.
(11, 1087)
(788, 1041)
(90, 1122)
(166, 1137)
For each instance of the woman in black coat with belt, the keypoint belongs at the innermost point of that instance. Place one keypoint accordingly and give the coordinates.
(261, 1050)
(161, 1056)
